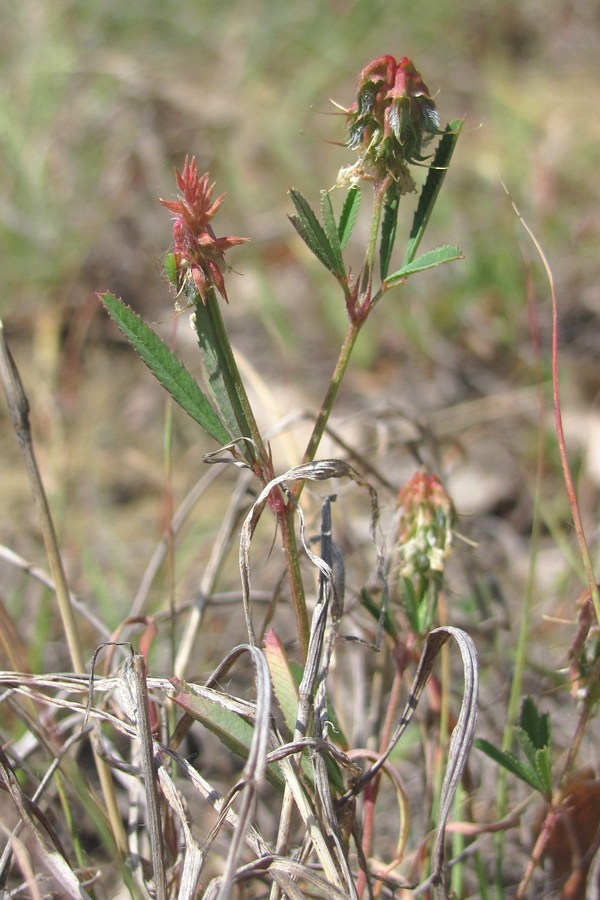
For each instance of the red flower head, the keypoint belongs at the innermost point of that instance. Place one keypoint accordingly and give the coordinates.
(197, 250)
(391, 120)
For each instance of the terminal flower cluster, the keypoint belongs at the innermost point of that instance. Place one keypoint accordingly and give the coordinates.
(391, 120)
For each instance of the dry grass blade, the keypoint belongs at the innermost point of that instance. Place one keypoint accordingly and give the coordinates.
(285, 870)
(160, 551)
(311, 823)
(53, 860)
(460, 742)
(462, 736)
(212, 569)
(312, 705)
(401, 796)
(324, 836)
(40, 575)
(320, 470)
(17, 847)
(18, 406)
(254, 769)
(134, 673)
(134, 698)
(22, 752)
(19, 412)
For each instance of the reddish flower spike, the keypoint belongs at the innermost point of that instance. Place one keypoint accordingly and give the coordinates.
(197, 249)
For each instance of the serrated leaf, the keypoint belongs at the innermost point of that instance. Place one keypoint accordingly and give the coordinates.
(535, 725)
(543, 764)
(165, 366)
(388, 229)
(311, 231)
(348, 215)
(526, 745)
(539, 759)
(332, 235)
(428, 260)
(431, 188)
(513, 765)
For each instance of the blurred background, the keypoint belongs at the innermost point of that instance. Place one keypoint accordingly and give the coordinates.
(100, 102)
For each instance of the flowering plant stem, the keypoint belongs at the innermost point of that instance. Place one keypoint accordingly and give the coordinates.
(393, 119)
(351, 335)
(257, 455)
(285, 519)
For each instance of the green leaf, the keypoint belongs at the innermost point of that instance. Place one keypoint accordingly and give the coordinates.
(348, 215)
(388, 229)
(220, 368)
(533, 735)
(214, 711)
(285, 685)
(311, 231)
(431, 188)
(535, 725)
(332, 234)
(285, 678)
(411, 603)
(374, 609)
(165, 366)
(428, 260)
(543, 765)
(509, 762)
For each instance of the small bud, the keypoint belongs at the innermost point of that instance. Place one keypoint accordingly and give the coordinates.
(391, 120)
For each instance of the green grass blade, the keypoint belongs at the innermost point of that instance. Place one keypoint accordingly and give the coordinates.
(431, 188)
(165, 366)
(427, 260)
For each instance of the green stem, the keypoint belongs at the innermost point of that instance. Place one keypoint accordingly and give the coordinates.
(332, 392)
(290, 549)
(286, 519)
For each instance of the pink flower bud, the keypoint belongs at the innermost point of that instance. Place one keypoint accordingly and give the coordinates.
(427, 519)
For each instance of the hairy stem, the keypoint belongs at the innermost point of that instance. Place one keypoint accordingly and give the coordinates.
(330, 397)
